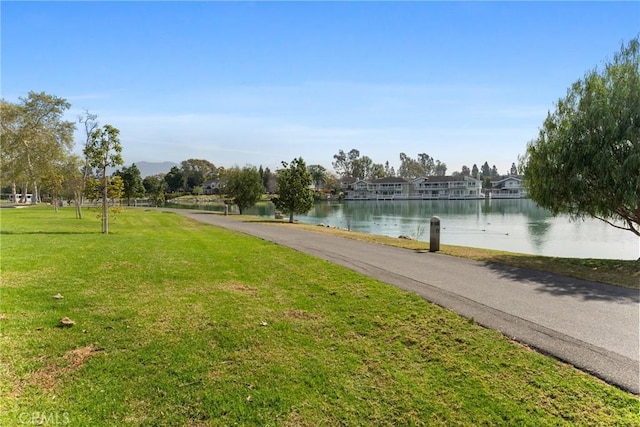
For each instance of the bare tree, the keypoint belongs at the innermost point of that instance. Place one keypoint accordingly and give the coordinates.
(90, 123)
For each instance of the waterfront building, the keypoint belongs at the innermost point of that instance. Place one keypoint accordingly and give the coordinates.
(508, 187)
(458, 187)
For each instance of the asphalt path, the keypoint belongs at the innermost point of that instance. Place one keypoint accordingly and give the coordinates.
(593, 326)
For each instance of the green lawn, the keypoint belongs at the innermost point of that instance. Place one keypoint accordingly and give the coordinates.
(180, 323)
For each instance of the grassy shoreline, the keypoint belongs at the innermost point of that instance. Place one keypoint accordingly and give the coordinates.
(181, 323)
(623, 273)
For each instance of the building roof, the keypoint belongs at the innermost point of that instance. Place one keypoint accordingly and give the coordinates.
(389, 180)
(348, 180)
(400, 180)
(505, 177)
(448, 178)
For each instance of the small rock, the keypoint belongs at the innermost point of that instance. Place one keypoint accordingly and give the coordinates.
(66, 322)
(263, 323)
(58, 296)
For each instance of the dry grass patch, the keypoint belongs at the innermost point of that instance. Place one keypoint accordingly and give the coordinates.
(124, 265)
(239, 288)
(301, 315)
(77, 357)
(11, 279)
(47, 377)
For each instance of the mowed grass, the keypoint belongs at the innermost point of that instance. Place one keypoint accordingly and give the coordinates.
(180, 323)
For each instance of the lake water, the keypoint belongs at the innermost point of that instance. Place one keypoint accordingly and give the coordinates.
(517, 225)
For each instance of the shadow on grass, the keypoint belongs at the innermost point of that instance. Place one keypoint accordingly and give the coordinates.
(270, 221)
(242, 218)
(195, 212)
(555, 284)
(6, 232)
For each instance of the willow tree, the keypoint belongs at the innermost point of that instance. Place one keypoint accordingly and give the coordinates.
(586, 159)
(295, 195)
(103, 151)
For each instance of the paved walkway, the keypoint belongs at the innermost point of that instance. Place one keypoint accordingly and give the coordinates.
(594, 326)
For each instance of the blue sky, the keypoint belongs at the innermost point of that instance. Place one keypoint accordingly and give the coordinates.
(261, 82)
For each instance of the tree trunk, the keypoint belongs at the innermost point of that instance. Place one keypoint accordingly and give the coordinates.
(105, 207)
(291, 217)
(83, 186)
(14, 193)
(35, 197)
(29, 176)
(77, 196)
(23, 197)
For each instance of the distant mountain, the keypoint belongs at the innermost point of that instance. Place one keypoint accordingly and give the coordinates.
(154, 168)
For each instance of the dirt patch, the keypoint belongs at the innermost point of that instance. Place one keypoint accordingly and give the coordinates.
(46, 378)
(77, 357)
(240, 288)
(245, 289)
(301, 314)
(120, 265)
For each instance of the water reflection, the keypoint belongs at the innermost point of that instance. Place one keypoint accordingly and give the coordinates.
(537, 232)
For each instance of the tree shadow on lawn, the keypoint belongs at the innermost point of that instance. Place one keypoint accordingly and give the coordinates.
(556, 284)
(243, 218)
(8, 232)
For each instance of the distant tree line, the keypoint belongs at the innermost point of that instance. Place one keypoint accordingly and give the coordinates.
(584, 162)
(38, 159)
(352, 165)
